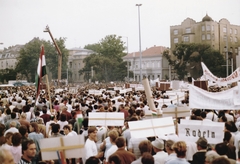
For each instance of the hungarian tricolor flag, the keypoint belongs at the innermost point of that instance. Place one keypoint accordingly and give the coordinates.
(41, 71)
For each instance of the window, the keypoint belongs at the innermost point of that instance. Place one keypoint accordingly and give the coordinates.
(208, 36)
(235, 31)
(224, 29)
(175, 40)
(230, 30)
(212, 27)
(175, 32)
(235, 39)
(231, 49)
(225, 38)
(203, 28)
(188, 30)
(236, 50)
(231, 40)
(208, 27)
(203, 37)
(185, 39)
(213, 36)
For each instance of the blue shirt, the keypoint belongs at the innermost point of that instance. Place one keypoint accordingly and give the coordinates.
(178, 161)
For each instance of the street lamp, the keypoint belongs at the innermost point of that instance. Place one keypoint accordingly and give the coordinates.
(127, 61)
(140, 51)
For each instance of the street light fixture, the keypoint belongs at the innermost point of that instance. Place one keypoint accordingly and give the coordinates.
(140, 51)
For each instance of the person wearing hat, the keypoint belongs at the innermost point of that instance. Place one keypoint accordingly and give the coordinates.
(199, 157)
(158, 146)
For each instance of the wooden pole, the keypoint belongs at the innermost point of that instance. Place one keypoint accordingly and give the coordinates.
(49, 95)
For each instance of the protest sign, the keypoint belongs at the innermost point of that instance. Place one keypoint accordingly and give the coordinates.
(71, 146)
(106, 119)
(176, 112)
(191, 130)
(151, 127)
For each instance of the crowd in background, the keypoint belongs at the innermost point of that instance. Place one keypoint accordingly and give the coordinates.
(25, 120)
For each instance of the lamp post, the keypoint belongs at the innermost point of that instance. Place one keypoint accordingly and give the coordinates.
(140, 51)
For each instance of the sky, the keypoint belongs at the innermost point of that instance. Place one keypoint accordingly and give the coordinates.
(84, 22)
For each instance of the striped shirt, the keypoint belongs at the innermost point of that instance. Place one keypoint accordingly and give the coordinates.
(23, 161)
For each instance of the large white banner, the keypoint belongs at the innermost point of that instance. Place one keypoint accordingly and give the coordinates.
(201, 99)
(207, 75)
(191, 130)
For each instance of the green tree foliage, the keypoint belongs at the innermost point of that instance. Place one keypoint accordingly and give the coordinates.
(7, 74)
(187, 58)
(107, 60)
(29, 56)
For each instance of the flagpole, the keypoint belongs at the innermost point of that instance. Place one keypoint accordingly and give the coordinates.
(49, 95)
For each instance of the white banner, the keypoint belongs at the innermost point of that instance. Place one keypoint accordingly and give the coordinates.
(201, 99)
(191, 130)
(207, 75)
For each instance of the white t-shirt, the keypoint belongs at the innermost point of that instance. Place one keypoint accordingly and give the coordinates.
(90, 148)
(160, 157)
(110, 151)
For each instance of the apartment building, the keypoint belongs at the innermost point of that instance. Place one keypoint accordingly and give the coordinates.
(221, 35)
(154, 65)
(75, 63)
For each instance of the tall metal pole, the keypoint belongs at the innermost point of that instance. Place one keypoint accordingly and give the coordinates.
(140, 51)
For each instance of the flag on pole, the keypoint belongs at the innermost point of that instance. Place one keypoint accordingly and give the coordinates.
(41, 71)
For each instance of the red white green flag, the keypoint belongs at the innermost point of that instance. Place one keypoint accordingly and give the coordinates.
(41, 71)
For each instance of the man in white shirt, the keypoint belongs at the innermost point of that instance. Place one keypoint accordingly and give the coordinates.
(90, 145)
(158, 146)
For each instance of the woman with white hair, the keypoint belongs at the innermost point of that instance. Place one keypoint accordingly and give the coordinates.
(210, 156)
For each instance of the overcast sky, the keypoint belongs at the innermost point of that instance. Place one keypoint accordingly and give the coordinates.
(85, 22)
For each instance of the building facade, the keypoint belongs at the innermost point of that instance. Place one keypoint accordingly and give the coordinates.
(75, 63)
(154, 65)
(8, 57)
(221, 35)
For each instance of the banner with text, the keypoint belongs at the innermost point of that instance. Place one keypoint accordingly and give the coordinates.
(191, 130)
(207, 75)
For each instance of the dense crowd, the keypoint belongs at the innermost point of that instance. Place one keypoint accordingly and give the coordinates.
(24, 121)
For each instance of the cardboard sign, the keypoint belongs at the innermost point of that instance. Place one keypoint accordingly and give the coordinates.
(191, 130)
(176, 112)
(151, 127)
(106, 119)
(71, 146)
(95, 92)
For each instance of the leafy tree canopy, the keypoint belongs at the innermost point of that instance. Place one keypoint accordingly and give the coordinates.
(107, 60)
(186, 59)
(29, 56)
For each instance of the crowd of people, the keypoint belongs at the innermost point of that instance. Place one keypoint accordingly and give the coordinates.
(24, 121)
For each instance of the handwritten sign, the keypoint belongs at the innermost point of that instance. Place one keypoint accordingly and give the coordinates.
(71, 146)
(151, 127)
(191, 130)
(106, 119)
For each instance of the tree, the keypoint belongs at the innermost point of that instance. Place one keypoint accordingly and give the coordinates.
(187, 58)
(29, 56)
(7, 74)
(107, 60)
